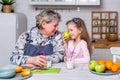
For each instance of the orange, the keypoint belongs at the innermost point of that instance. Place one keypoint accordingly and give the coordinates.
(25, 72)
(114, 68)
(117, 63)
(101, 61)
(108, 64)
(109, 61)
(18, 69)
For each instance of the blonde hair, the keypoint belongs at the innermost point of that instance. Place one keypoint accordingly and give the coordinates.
(80, 24)
(46, 15)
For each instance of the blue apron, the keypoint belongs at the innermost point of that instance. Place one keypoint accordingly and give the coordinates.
(34, 50)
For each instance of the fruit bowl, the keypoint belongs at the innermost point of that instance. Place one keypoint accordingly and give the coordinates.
(6, 73)
(107, 72)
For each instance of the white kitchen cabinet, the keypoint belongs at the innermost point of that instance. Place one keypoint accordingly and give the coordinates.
(64, 2)
(88, 2)
(52, 2)
(40, 2)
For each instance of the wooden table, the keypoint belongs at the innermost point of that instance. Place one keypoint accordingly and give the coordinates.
(103, 43)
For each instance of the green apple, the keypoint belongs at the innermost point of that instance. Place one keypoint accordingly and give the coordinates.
(92, 64)
(66, 34)
(100, 68)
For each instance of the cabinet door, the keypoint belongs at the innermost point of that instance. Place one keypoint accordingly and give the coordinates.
(88, 2)
(64, 2)
(40, 2)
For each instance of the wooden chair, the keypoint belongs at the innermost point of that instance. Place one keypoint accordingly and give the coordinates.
(115, 51)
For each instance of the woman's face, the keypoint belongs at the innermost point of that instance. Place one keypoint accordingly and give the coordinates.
(74, 31)
(50, 28)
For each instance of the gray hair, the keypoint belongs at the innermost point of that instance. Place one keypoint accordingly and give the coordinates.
(48, 16)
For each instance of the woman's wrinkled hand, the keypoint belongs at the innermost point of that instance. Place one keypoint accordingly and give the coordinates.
(37, 60)
(65, 58)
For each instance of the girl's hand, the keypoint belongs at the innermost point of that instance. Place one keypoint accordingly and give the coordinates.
(37, 60)
(65, 40)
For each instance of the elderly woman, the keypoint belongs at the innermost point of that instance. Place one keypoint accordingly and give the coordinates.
(41, 43)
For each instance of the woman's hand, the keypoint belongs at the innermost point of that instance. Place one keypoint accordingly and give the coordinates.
(65, 58)
(37, 60)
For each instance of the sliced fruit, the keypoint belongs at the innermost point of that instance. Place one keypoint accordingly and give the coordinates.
(25, 72)
(18, 69)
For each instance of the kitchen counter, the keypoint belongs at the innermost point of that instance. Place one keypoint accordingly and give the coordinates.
(103, 43)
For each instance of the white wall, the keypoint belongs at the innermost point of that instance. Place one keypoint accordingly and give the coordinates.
(85, 12)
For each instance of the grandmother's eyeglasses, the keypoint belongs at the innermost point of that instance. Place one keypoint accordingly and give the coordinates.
(76, 21)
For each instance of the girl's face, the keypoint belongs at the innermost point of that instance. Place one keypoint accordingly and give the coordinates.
(50, 28)
(73, 30)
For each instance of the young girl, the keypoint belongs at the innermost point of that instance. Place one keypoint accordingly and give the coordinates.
(78, 47)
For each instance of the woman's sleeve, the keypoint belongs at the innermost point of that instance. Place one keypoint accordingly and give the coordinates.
(17, 56)
(58, 50)
(85, 54)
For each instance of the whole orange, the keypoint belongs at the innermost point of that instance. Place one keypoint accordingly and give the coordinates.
(109, 61)
(117, 63)
(108, 64)
(101, 61)
(114, 68)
